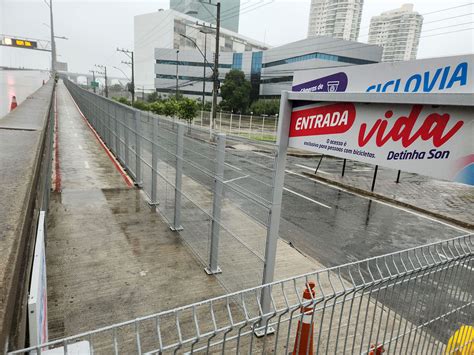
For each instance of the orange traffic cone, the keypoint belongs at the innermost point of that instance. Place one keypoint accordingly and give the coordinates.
(13, 104)
(376, 350)
(305, 332)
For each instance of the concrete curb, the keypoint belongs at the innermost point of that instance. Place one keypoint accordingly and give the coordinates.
(377, 196)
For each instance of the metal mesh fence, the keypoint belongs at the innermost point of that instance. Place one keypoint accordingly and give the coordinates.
(201, 185)
(417, 301)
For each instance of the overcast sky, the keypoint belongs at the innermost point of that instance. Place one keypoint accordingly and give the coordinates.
(96, 28)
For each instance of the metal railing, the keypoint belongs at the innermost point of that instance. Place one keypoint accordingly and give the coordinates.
(254, 127)
(204, 189)
(408, 302)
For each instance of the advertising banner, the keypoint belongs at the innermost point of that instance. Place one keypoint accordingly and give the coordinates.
(437, 75)
(430, 140)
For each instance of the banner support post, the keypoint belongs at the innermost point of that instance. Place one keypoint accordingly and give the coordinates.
(275, 210)
(375, 178)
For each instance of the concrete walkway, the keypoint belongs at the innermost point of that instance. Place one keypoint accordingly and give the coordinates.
(110, 258)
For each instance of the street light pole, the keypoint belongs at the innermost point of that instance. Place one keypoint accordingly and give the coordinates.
(132, 64)
(205, 61)
(216, 66)
(177, 72)
(106, 84)
(105, 77)
(93, 79)
(53, 43)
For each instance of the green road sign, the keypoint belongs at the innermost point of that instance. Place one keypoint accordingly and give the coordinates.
(94, 84)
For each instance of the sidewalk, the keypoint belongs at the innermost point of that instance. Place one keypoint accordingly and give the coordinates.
(110, 258)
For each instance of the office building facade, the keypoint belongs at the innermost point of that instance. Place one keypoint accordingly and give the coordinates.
(269, 71)
(335, 18)
(230, 11)
(398, 32)
(174, 31)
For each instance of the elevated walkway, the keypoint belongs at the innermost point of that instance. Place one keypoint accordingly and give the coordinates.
(110, 258)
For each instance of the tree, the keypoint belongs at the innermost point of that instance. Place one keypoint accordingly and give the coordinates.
(170, 107)
(187, 109)
(157, 107)
(153, 97)
(235, 91)
(265, 107)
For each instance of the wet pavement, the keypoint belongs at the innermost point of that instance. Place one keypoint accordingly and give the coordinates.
(110, 257)
(442, 199)
(329, 224)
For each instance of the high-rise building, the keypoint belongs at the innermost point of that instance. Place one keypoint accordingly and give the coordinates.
(398, 32)
(335, 18)
(230, 11)
(176, 31)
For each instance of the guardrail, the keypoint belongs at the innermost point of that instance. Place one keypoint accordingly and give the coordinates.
(26, 141)
(408, 302)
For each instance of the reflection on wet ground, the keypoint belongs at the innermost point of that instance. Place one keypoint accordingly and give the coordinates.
(110, 257)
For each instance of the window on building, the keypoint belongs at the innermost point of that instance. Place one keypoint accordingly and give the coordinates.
(237, 61)
(317, 55)
(257, 58)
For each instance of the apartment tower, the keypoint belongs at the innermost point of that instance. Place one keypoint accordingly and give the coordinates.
(230, 11)
(398, 32)
(335, 18)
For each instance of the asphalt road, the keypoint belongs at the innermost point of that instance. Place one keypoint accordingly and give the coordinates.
(331, 225)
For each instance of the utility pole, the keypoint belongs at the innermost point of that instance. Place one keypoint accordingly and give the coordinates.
(93, 79)
(105, 77)
(204, 75)
(132, 65)
(177, 72)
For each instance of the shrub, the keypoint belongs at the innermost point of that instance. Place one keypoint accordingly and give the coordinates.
(122, 100)
(265, 107)
(141, 105)
(158, 107)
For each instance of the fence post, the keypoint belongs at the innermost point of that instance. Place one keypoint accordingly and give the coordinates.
(250, 128)
(213, 267)
(220, 121)
(179, 176)
(154, 165)
(275, 210)
(116, 138)
(107, 128)
(138, 150)
(126, 132)
(202, 116)
(230, 127)
(240, 121)
(263, 125)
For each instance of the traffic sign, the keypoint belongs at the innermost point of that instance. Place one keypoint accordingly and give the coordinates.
(19, 42)
(94, 84)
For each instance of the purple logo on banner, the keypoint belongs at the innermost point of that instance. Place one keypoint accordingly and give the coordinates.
(332, 83)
